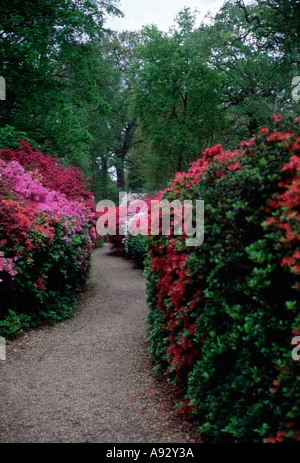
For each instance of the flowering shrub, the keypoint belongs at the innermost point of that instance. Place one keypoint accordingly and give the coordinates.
(47, 229)
(65, 179)
(127, 244)
(223, 314)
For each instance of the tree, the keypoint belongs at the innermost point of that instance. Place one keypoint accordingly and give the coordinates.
(176, 98)
(42, 56)
(119, 49)
(253, 49)
(277, 24)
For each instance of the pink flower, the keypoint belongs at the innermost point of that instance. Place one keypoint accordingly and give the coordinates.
(247, 143)
(276, 118)
(235, 166)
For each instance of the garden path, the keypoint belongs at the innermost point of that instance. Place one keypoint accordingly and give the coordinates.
(90, 379)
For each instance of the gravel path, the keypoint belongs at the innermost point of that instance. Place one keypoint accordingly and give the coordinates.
(90, 379)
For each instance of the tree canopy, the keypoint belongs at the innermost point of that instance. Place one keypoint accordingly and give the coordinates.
(133, 108)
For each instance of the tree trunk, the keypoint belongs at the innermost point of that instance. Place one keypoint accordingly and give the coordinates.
(121, 153)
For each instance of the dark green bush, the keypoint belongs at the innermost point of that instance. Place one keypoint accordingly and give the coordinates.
(136, 248)
(9, 137)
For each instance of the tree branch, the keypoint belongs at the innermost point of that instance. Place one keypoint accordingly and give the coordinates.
(242, 6)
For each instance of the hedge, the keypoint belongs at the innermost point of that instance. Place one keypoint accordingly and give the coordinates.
(223, 314)
(47, 231)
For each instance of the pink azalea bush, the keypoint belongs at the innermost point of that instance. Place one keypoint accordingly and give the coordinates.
(47, 232)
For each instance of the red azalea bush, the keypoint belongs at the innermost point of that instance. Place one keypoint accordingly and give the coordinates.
(223, 314)
(47, 229)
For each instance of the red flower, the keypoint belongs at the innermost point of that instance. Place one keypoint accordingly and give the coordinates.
(264, 130)
(235, 166)
(270, 221)
(290, 424)
(277, 118)
(287, 261)
(247, 143)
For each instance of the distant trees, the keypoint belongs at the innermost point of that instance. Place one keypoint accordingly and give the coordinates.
(215, 83)
(176, 99)
(132, 108)
(255, 48)
(45, 57)
(120, 51)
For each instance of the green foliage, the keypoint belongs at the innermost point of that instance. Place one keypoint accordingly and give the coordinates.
(255, 49)
(132, 108)
(9, 138)
(54, 73)
(99, 242)
(14, 324)
(33, 303)
(176, 99)
(157, 336)
(222, 315)
(136, 248)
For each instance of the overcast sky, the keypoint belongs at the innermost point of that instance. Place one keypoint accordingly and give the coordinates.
(162, 13)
